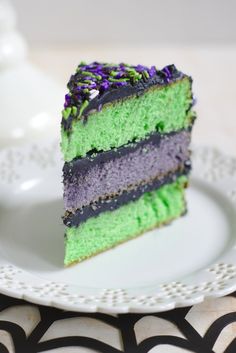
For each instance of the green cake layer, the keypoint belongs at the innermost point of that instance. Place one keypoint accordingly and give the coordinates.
(114, 227)
(163, 109)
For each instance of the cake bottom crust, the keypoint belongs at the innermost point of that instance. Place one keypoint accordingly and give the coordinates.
(114, 202)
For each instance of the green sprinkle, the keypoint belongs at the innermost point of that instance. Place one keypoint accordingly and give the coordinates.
(87, 73)
(66, 113)
(131, 70)
(118, 79)
(110, 64)
(145, 74)
(99, 77)
(113, 73)
(136, 77)
(88, 81)
(83, 106)
(74, 111)
(86, 90)
(134, 74)
(82, 63)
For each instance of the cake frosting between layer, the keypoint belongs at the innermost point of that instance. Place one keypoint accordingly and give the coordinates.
(89, 179)
(111, 228)
(76, 218)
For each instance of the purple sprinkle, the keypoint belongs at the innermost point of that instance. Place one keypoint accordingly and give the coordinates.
(93, 85)
(88, 78)
(80, 88)
(95, 65)
(82, 68)
(122, 66)
(100, 107)
(140, 68)
(152, 71)
(93, 70)
(119, 75)
(67, 100)
(167, 73)
(101, 73)
(105, 85)
(119, 84)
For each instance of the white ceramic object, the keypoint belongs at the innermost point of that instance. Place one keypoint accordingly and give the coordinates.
(30, 101)
(178, 265)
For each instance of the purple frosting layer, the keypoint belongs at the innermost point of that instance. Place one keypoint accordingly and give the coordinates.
(110, 176)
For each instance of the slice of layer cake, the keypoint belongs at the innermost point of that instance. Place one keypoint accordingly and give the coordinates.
(125, 139)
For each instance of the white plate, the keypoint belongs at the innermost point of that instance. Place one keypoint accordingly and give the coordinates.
(175, 266)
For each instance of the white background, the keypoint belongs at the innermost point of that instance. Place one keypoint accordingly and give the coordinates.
(48, 22)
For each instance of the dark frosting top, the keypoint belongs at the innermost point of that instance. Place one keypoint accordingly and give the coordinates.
(95, 84)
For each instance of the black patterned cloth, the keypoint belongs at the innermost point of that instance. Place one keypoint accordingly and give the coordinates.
(177, 331)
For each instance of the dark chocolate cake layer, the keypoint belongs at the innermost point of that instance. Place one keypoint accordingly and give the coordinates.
(89, 179)
(110, 204)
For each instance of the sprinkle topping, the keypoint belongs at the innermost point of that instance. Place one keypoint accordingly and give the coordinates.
(93, 80)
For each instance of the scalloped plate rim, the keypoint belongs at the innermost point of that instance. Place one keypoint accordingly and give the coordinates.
(217, 168)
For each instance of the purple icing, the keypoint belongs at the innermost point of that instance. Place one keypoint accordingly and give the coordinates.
(113, 175)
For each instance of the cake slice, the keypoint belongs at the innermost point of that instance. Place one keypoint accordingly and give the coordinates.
(126, 132)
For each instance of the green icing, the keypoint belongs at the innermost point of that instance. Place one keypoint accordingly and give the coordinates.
(111, 228)
(159, 109)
